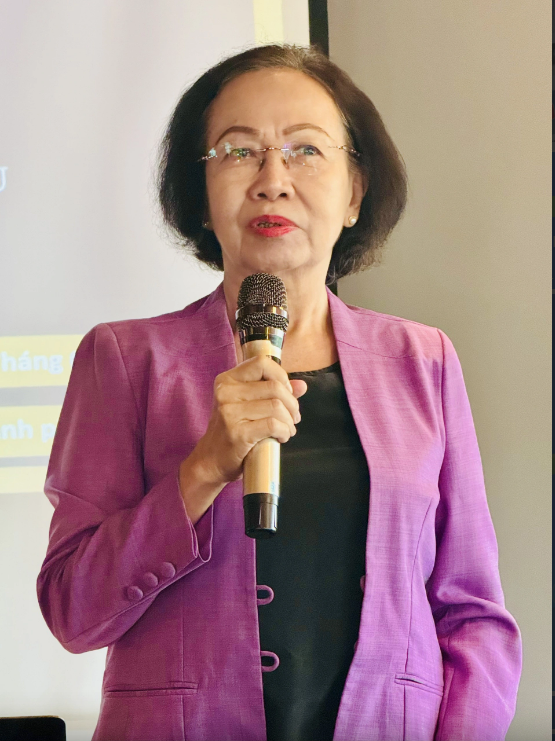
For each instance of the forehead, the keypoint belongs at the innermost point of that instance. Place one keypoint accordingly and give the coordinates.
(273, 99)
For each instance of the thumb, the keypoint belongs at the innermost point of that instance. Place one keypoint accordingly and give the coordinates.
(299, 387)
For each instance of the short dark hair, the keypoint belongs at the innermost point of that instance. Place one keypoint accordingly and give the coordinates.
(181, 177)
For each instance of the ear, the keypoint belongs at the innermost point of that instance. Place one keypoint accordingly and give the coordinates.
(358, 190)
(206, 223)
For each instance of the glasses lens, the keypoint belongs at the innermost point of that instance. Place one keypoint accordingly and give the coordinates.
(306, 156)
(237, 153)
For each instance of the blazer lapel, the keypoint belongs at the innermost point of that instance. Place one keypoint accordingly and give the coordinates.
(394, 406)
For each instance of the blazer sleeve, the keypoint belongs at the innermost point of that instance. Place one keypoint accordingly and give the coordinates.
(113, 546)
(479, 639)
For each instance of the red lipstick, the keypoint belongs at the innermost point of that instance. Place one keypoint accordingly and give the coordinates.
(271, 225)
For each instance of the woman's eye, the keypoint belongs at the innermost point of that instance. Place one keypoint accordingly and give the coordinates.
(240, 152)
(307, 150)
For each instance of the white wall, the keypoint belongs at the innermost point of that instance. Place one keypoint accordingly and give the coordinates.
(464, 91)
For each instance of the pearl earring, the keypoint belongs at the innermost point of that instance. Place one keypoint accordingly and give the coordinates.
(352, 220)
(206, 224)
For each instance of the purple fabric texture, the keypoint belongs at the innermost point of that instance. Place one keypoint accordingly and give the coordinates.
(438, 657)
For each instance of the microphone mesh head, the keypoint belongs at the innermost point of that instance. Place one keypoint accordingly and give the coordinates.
(262, 288)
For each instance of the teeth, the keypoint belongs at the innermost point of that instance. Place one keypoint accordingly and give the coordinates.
(267, 224)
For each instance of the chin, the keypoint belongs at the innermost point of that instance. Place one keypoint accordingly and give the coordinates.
(275, 258)
(273, 267)
(269, 263)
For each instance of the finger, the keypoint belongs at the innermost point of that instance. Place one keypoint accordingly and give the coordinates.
(260, 429)
(263, 408)
(300, 387)
(260, 368)
(262, 390)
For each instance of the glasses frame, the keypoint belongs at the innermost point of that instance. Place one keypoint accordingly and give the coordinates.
(212, 154)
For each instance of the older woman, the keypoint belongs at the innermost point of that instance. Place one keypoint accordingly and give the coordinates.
(376, 612)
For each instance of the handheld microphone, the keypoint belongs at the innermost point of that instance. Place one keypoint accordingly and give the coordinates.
(262, 322)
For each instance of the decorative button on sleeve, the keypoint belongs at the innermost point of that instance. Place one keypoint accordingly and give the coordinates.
(166, 570)
(134, 594)
(150, 580)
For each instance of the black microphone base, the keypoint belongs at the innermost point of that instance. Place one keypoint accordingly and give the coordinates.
(260, 515)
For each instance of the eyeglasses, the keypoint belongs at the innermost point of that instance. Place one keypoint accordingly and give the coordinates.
(304, 158)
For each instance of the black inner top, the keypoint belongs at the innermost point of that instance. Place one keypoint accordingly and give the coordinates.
(314, 564)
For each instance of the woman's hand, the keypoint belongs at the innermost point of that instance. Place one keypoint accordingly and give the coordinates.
(252, 401)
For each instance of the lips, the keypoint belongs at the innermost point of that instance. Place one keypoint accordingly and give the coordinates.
(267, 221)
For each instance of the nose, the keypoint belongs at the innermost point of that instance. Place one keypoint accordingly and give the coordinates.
(273, 179)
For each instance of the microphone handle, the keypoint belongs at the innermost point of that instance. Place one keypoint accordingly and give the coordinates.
(261, 467)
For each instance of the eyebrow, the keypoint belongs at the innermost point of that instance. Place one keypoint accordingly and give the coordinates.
(287, 131)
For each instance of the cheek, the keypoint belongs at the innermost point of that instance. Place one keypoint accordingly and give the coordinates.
(330, 202)
(223, 201)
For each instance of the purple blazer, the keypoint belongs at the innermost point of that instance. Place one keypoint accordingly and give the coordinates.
(438, 656)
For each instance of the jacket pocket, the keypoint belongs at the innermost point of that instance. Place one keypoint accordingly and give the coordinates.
(140, 717)
(422, 700)
(173, 688)
(411, 680)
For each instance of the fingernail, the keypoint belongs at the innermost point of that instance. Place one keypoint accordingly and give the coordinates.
(298, 417)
